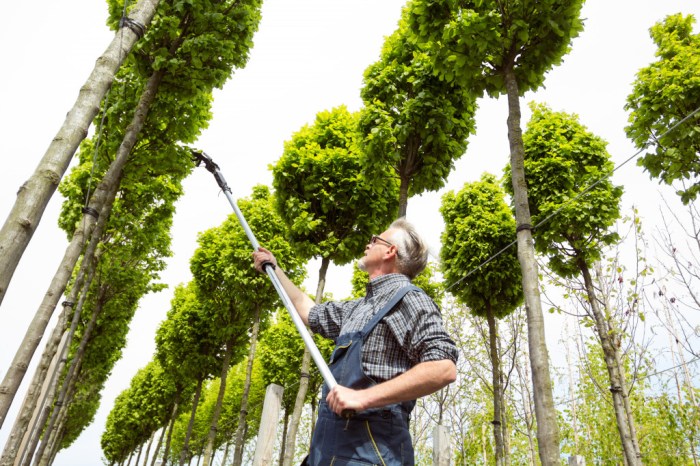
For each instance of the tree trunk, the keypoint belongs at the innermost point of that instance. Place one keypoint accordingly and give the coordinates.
(101, 201)
(209, 450)
(35, 193)
(148, 447)
(497, 388)
(546, 415)
(240, 429)
(29, 412)
(171, 424)
(186, 443)
(304, 378)
(284, 437)
(62, 404)
(618, 386)
(403, 196)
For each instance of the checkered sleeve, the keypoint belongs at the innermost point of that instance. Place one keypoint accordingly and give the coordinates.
(327, 318)
(418, 327)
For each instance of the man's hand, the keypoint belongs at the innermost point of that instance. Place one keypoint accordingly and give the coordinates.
(261, 257)
(343, 399)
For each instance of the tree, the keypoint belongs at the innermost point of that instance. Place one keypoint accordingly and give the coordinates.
(665, 93)
(329, 206)
(412, 120)
(506, 47)
(234, 295)
(185, 349)
(137, 412)
(36, 192)
(570, 172)
(479, 227)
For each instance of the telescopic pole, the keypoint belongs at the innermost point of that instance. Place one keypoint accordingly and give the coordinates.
(201, 157)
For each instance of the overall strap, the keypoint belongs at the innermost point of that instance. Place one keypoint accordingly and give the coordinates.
(398, 296)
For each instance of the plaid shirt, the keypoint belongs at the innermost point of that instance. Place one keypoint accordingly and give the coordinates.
(410, 334)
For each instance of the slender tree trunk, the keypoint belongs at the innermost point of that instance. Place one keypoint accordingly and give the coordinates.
(223, 460)
(527, 408)
(618, 386)
(171, 424)
(497, 388)
(186, 443)
(572, 396)
(209, 450)
(103, 197)
(284, 437)
(240, 429)
(38, 388)
(403, 196)
(158, 445)
(304, 378)
(148, 448)
(678, 359)
(546, 415)
(35, 193)
(138, 457)
(62, 404)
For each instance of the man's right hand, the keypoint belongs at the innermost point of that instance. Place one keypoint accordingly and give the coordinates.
(261, 257)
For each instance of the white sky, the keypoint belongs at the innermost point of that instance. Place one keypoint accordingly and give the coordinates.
(308, 56)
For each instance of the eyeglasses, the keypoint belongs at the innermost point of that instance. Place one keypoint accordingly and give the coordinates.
(376, 238)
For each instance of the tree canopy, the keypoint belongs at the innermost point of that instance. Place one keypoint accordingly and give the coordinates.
(665, 93)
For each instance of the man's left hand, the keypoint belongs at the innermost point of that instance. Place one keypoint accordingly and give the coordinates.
(343, 399)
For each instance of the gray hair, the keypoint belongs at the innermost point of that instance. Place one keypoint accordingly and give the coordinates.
(412, 250)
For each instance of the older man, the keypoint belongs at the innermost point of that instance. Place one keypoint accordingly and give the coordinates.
(391, 348)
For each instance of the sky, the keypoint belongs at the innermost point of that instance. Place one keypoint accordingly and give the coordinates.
(308, 56)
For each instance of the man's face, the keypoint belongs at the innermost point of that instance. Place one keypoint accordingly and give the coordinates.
(375, 250)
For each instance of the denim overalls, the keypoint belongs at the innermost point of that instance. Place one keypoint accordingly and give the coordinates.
(377, 436)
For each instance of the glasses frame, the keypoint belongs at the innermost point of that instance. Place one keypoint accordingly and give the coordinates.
(376, 238)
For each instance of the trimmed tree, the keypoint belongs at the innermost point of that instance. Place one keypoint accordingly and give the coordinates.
(479, 227)
(413, 121)
(506, 47)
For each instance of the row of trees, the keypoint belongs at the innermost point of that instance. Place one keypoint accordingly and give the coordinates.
(338, 181)
(119, 205)
(575, 208)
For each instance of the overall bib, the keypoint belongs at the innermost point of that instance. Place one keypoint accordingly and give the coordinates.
(377, 436)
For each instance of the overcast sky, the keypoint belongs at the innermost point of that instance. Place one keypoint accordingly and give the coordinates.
(308, 56)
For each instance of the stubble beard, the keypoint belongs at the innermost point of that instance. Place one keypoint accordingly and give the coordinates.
(361, 264)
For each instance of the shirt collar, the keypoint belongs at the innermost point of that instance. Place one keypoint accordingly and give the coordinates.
(386, 282)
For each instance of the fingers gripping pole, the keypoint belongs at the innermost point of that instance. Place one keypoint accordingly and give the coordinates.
(201, 157)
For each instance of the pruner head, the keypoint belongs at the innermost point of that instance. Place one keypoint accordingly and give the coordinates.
(201, 157)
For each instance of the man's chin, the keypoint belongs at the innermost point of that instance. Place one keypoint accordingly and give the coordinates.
(361, 264)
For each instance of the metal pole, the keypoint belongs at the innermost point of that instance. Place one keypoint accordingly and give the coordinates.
(270, 270)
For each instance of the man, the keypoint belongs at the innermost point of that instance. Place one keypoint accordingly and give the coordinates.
(391, 348)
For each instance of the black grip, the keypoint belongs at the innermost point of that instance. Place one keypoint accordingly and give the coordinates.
(347, 413)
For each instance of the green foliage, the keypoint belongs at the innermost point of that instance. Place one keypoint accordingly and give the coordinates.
(137, 412)
(185, 347)
(564, 160)
(228, 286)
(413, 121)
(477, 42)
(478, 226)
(330, 207)
(200, 39)
(280, 352)
(664, 93)
(662, 422)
